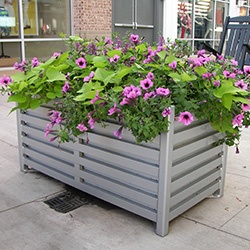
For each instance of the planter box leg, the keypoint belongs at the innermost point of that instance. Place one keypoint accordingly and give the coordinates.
(162, 223)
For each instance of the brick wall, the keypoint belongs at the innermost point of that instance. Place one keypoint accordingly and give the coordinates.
(92, 18)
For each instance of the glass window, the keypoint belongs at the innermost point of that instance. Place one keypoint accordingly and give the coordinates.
(45, 51)
(41, 18)
(200, 20)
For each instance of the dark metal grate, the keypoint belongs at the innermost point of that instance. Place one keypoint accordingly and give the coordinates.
(66, 202)
(73, 198)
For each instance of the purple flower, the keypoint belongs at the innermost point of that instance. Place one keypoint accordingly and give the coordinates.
(125, 101)
(217, 83)
(247, 70)
(173, 65)
(34, 62)
(186, 118)
(134, 39)
(91, 123)
(5, 80)
(146, 83)
(162, 91)
(47, 130)
(21, 66)
(208, 75)
(114, 59)
(65, 87)
(234, 62)
(118, 133)
(132, 59)
(89, 77)
(56, 54)
(166, 112)
(81, 127)
(114, 110)
(245, 107)
(228, 75)
(81, 62)
(108, 41)
(238, 119)
(240, 84)
(201, 52)
(149, 95)
(96, 98)
(150, 76)
(131, 92)
(55, 117)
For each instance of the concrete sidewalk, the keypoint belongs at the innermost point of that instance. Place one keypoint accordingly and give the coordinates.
(27, 223)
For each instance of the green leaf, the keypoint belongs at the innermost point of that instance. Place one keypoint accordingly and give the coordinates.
(51, 95)
(162, 54)
(228, 88)
(86, 87)
(102, 74)
(54, 75)
(35, 104)
(17, 98)
(117, 89)
(18, 77)
(185, 77)
(112, 53)
(89, 95)
(175, 76)
(200, 70)
(22, 85)
(227, 100)
(123, 72)
(241, 99)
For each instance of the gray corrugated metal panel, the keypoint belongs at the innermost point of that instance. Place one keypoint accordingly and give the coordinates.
(48, 149)
(111, 185)
(121, 175)
(49, 170)
(133, 165)
(126, 134)
(194, 174)
(192, 132)
(197, 159)
(194, 187)
(196, 144)
(119, 201)
(38, 112)
(117, 146)
(63, 166)
(38, 135)
(129, 205)
(35, 121)
(179, 126)
(191, 201)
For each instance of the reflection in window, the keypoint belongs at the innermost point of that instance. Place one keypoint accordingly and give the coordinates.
(200, 20)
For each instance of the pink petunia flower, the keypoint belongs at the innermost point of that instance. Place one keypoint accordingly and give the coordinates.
(114, 110)
(238, 119)
(173, 65)
(65, 87)
(5, 80)
(81, 127)
(162, 91)
(240, 84)
(118, 133)
(166, 112)
(81, 62)
(186, 118)
(146, 83)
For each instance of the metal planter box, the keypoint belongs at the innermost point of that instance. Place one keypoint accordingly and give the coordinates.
(158, 180)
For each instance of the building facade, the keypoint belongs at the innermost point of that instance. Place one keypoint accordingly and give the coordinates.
(31, 28)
